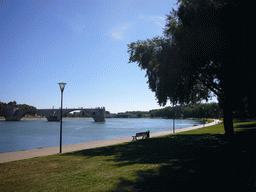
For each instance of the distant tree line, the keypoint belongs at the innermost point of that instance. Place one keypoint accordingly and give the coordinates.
(20, 106)
(2, 105)
(25, 106)
(209, 110)
(138, 113)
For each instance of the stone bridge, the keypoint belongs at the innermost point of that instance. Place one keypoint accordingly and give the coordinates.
(13, 113)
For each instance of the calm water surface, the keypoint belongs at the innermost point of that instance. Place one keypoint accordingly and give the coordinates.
(33, 134)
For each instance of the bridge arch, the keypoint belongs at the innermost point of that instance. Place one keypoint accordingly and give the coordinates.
(88, 112)
(18, 114)
(98, 114)
(23, 113)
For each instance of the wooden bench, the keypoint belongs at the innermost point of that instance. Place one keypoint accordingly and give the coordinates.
(141, 134)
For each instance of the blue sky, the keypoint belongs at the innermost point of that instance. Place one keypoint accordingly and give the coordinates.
(81, 43)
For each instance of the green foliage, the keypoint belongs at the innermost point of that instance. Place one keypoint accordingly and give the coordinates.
(139, 115)
(203, 49)
(169, 77)
(20, 106)
(25, 106)
(208, 110)
(136, 112)
(85, 114)
(2, 105)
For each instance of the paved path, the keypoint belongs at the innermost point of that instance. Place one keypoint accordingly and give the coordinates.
(18, 155)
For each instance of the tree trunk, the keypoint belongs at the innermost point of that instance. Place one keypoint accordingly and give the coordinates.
(226, 102)
(228, 120)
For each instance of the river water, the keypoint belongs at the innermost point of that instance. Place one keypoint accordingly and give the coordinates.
(33, 134)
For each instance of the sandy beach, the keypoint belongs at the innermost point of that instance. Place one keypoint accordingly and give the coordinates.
(18, 155)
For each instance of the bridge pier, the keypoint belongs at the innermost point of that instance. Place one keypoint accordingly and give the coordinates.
(99, 115)
(53, 118)
(11, 112)
(12, 118)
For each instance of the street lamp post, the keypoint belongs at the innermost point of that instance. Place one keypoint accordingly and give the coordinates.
(173, 119)
(215, 115)
(62, 86)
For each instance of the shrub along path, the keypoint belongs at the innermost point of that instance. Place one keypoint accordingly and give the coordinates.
(201, 159)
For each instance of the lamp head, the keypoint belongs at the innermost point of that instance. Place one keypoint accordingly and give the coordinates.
(62, 86)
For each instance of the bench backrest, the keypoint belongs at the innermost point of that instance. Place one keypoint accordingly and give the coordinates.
(141, 134)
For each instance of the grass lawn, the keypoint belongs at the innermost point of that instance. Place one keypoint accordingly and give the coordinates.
(194, 160)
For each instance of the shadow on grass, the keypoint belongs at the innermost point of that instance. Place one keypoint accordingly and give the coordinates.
(246, 126)
(188, 162)
(159, 150)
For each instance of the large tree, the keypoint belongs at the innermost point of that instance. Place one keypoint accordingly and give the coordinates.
(205, 48)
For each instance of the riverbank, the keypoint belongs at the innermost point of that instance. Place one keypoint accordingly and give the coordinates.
(18, 155)
(196, 160)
